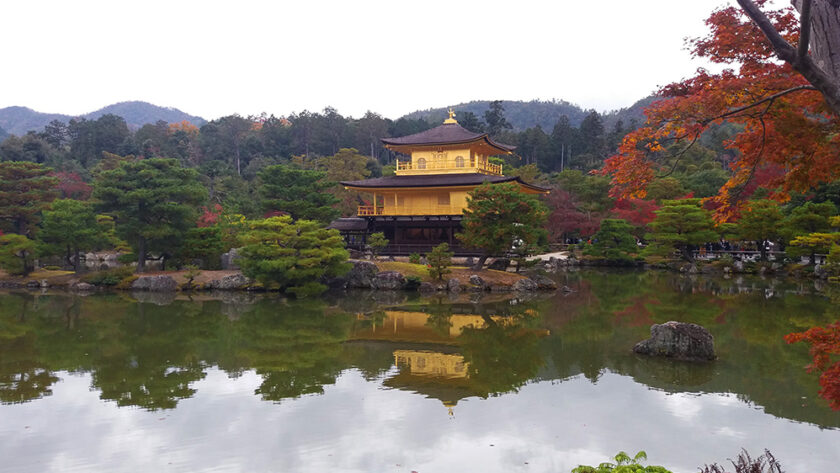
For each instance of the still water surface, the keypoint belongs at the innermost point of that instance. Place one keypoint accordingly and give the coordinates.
(375, 382)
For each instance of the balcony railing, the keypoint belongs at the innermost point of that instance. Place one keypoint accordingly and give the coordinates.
(371, 211)
(407, 167)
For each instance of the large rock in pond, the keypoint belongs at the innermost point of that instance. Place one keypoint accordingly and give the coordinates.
(230, 282)
(389, 280)
(680, 340)
(160, 283)
(362, 275)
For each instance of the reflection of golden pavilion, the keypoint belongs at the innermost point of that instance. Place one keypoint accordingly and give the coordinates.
(434, 370)
(406, 326)
(430, 363)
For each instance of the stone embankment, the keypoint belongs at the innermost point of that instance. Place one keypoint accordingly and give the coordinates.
(368, 275)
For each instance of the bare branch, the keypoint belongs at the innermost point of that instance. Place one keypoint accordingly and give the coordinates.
(828, 86)
(679, 156)
(783, 49)
(770, 98)
(804, 29)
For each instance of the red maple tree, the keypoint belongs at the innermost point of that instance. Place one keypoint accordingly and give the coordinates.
(636, 212)
(788, 124)
(825, 344)
(209, 217)
(72, 186)
(568, 218)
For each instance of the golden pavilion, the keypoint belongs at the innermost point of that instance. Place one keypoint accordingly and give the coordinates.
(422, 205)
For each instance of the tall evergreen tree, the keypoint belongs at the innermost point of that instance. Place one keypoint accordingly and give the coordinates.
(495, 118)
(681, 224)
(299, 192)
(25, 190)
(70, 227)
(154, 202)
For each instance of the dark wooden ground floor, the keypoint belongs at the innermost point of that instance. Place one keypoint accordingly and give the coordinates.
(406, 234)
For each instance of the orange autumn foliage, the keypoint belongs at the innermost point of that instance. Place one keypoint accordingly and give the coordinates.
(184, 126)
(789, 136)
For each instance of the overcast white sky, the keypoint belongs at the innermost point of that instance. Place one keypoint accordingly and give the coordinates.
(213, 58)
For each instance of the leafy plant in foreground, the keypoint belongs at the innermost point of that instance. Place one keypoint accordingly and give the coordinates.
(623, 464)
(746, 464)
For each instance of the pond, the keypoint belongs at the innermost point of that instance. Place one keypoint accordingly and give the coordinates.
(381, 382)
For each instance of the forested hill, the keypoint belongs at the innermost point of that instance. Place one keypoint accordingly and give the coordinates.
(20, 120)
(523, 115)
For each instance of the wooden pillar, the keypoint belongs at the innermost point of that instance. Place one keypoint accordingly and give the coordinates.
(396, 237)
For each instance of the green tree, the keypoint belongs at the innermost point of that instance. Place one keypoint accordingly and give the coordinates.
(345, 165)
(439, 260)
(301, 193)
(613, 241)
(760, 222)
(495, 118)
(70, 227)
(812, 244)
(665, 188)
(470, 121)
(501, 216)
(292, 255)
(681, 224)
(25, 190)
(16, 253)
(377, 242)
(808, 218)
(205, 244)
(153, 201)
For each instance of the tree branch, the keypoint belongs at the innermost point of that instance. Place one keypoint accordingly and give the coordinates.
(804, 65)
(804, 29)
(770, 98)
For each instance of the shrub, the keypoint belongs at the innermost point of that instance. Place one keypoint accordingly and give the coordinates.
(108, 277)
(16, 253)
(439, 260)
(746, 464)
(376, 242)
(414, 258)
(412, 282)
(293, 256)
(127, 258)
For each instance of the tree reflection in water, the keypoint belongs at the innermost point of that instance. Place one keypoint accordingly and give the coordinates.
(150, 355)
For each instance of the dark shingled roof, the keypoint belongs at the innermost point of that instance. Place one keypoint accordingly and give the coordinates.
(437, 180)
(448, 133)
(349, 224)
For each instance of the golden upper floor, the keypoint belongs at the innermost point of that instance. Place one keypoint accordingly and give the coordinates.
(447, 149)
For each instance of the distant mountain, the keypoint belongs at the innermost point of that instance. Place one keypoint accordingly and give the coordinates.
(20, 120)
(137, 114)
(628, 116)
(523, 115)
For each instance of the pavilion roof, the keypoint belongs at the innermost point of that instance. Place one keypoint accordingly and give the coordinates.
(446, 134)
(437, 180)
